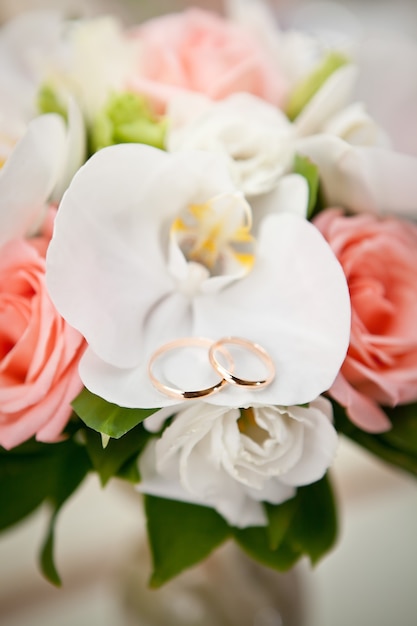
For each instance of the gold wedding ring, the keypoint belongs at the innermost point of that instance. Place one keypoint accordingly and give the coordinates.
(253, 347)
(176, 392)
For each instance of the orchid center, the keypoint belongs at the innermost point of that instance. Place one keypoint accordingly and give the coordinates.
(217, 235)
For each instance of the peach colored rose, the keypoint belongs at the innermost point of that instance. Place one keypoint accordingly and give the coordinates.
(379, 257)
(199, 51)
(39, 352)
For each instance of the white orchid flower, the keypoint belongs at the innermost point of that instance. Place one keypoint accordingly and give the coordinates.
(214, 456)
(147, 249)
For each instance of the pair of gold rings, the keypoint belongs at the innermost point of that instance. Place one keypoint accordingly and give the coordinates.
(226, 374)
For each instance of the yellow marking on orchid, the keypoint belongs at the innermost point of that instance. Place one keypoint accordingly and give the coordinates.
(210, 231)
(179, 225)
(243, 235)
(247, 260)
(198, 210)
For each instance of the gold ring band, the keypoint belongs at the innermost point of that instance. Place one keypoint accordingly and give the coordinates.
(253, 347)
(175, 392)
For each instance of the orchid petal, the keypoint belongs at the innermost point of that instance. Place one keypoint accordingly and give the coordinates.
(29, 175)
(290, 195)
(108, 242)
(75, 152)
(356, 126)
(295, 303)
(364, 179)
(333, 96)
(306, 336)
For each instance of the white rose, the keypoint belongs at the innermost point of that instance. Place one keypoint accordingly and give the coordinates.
(256, 137)
(232, 460)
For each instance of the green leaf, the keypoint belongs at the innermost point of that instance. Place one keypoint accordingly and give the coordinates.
(304, 525)
(105, 417)
(110, 460)
(279, 520)
(72, 467)
(257, 543)
(314, 527)
(33, 473)
(26, 478)
(396, 447)
(403, 434)
(309, 86)
(309, 170)
(180, 535)
(46, 558)
(129, 471)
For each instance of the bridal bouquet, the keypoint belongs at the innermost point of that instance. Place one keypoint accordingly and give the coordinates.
(208, 272)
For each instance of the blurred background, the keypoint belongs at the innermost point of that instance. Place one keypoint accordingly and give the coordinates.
(370, 578)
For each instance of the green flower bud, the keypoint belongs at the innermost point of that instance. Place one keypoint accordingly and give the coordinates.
(127, 118)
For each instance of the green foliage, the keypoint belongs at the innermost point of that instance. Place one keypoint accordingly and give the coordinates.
(305, 525)
(26, 474)
(309, 170)
(314, 527)
(280, 519)
(180, 535)
(105, 417)
(119, 457)
(70, 472)
(256, 542)
(183, 534)
(309, 86)
(398, 446)
(34, 473)
(127, 118)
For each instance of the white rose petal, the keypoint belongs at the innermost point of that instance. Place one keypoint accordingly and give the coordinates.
(256, 137)
(212, 456)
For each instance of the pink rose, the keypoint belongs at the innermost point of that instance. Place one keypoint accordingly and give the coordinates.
(200, 51)
(379, 258)
(39, 352)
